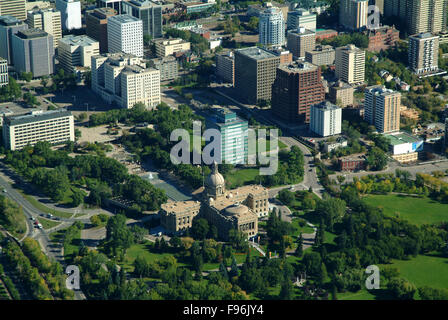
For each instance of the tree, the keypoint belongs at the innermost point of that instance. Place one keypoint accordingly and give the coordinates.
(286, 197)
(401, 289)
(118, 235)
(199, 228)
(299, 249)
(376, 159)
(27, 76)
(253, 23)
(175, 241)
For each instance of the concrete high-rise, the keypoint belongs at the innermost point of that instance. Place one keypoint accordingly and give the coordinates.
(382, 108)
(125, 34)
(353, 14)
(423, 53)
(77, 51)
(301, 18)
(124, 79)
(96, 25)
(15, 8)
(297, 86)
(350, 64)
(300, 41)
(9, 26)
(271, 27)
(33, 51)
(147, 11)
(255, 71)
(113, 4)
(225, 67)
(70, 14)
(325, 119)
(48, 20)
(4, 80)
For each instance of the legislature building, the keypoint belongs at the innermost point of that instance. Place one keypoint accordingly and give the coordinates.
(238, 209)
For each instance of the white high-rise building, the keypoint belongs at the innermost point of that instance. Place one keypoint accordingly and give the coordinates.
(301, 18)
(124, 79)
(271, 27)
(325, 119)
(77, 51)
(125, 34)
(70, 13)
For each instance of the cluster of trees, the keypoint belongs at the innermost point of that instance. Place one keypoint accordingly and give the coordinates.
(198, 43)
(11, 91)
(278, 233)
(59, 81)
(12, 217)
(60, 176)
(9, 285)
(358, 39)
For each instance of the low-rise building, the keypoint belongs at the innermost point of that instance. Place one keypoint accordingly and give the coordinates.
(326, 34)
(56, 126)
(168, 47)
(404, 147)
(178, 216)
(340, 142)
(354, 162)
(168, 67)
(342, 94)
(382, 38)
(321, 55)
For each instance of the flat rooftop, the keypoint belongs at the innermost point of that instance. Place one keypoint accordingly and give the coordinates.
(402, 137)
(82, 40)
(143, 3)
(9, 21)
(32, 34)
(123, 18)
(256, 53)
(325, 105)
(180, 206)
(30, 118)
(425, 35)
(302, 32)
(381, 90)
(298, 67)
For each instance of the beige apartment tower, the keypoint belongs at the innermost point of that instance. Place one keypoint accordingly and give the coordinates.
(15, 8)
(427, 16)
(382, 108)
(255, 72)
(48, 20)
(300, 41)
(350, 64)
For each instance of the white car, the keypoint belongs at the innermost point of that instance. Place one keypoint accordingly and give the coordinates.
(39, 226)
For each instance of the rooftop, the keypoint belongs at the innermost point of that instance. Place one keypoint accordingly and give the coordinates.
(180, 206)
(302, 31)
(401, 137)
(123, 18)
(425, 35)
(325, 105)
(30, 118)
(381, 90)
(143, 3)
(82, 40)
(298, 67)
(32, 33)
(256, 53)
(9, 21)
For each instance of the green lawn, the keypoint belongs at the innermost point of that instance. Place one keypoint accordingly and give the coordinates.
(415, 210)
(40, 206)
(58, 237)
(299, 229)
(48, 224)
(241, 176)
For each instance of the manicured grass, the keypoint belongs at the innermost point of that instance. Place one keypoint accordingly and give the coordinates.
(48, 224)
(360, 295)
(299, 229)
(38, 205)
(241, 176)
(58, 237)
(415, 210)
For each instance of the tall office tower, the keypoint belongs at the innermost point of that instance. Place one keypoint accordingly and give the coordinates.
(96, 25)
(271, 27)
(353, 14)
(255, 71)
(396, 8)
(379, 4)
(297, 86)
(15, 8)
(113, 4)
(124, 79)
(325, 119)
(225, 67)
(350, 64)
(125, 34)
(427, 16)
(423, 53)
(77, 51)
(48, 20)
(147, 11)
(301, 18)
(33, 51)
(70, 13)
(4, 80)
(300, 41)
(382, 108)
(56, 126)
(234, 136)
(9, 26)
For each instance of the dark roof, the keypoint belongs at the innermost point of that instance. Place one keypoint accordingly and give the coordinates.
(30, 118)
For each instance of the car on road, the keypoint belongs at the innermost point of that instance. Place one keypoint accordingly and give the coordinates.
(49, 215)
(39, 226)
(33, 219)
(4, 190)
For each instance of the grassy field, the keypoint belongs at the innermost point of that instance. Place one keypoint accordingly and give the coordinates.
(241, 177)
(38, 205)
(58, 237)
(48, 224)
(415, 271)
(415, 210)
(299, 229)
